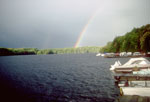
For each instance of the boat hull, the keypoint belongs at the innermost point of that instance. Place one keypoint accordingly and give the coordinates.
(141, 91)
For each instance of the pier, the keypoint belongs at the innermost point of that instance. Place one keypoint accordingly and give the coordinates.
(132, 78)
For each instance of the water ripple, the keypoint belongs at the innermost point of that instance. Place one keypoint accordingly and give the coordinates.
(57, 78)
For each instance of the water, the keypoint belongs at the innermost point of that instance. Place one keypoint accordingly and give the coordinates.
(57, 78)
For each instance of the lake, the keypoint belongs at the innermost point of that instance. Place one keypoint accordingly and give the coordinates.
(57, 78)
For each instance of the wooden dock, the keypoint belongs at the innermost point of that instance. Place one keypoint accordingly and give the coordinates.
(132, 98)
(132, 78)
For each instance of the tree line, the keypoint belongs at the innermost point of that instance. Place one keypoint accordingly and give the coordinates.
(35, 51)
(137, 40)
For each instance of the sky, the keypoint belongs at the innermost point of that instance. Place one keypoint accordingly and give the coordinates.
(59, 23)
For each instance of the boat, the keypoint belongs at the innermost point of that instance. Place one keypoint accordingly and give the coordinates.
(99, 54)
(109, 55)
(134, 64)
(133, 77)
(102, 55)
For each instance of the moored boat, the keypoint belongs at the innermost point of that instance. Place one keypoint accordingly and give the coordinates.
(99, 54)
(134, 64)
(133, 77)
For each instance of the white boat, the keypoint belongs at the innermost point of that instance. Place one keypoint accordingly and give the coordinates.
(109, 55)
(102, 55)
(134, 64)
(99, 54)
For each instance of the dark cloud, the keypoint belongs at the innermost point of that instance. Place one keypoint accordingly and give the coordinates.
(57, 24)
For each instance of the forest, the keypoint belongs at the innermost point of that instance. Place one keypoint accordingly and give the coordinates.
(137, 40)
(35, 51)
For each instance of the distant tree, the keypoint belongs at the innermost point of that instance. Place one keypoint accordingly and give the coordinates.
(138, 39)
(145, 42)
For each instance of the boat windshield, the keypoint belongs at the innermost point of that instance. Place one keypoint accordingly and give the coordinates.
(137, 61)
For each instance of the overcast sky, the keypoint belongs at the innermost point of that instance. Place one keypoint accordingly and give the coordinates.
(58, 23)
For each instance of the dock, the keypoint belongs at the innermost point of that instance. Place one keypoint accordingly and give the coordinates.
(132, 98)
(132, 78)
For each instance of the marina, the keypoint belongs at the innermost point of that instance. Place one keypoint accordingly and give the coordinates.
(124, 55)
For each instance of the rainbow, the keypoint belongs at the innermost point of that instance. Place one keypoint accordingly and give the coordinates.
(85, 29)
